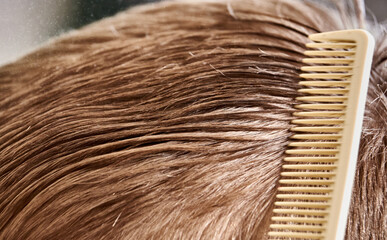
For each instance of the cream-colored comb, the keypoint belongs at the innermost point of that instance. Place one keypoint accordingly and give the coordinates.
(318, 173)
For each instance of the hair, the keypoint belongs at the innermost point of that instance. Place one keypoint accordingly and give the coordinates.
(170, 121)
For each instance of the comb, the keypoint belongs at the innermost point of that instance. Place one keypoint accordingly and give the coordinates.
(318, 172)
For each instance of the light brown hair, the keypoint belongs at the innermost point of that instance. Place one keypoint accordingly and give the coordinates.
(170, 121)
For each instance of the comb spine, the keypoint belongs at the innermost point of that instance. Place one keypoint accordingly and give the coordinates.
(340, 203)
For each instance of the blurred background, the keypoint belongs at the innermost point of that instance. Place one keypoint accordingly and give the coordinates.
(26, 24)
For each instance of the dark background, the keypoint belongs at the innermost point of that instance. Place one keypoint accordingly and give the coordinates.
(26, 24)
(87, 11)
(90, 10)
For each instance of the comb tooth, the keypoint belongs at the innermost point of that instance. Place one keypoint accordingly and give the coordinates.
(328, 60)
(315, 174)
(312, 151)
(330, 45)
(324, 83)
(326, 75)
(329, 53)
(302, 204)
(316, 136)
(299, 219)
(333, 37)
(317, 129)
(326, 68)
(297, 227)
(298, 235)
(306, 189)
(323, 99)
(323, 106)
(314, 144)
(301, 212)
(309, 166)
(306, 182)
(318, 121)
(319, 114)
(329, 91)
(310, 159)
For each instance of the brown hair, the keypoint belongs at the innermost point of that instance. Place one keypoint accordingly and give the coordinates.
(170, 121)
